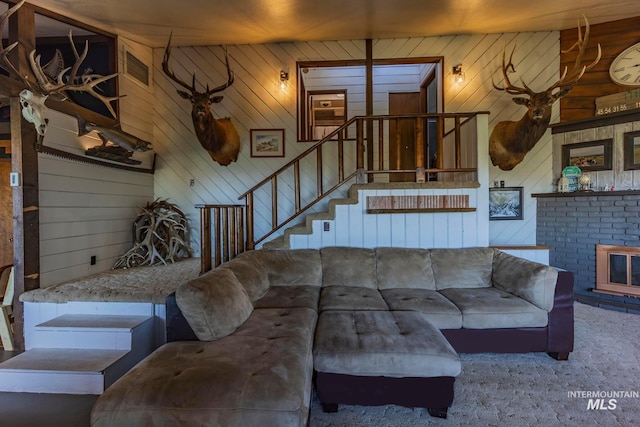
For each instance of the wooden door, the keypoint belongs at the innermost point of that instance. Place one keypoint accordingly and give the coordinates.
(6, 214)
(402, 136)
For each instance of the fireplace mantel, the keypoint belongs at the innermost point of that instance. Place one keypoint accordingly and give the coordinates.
(589, 194)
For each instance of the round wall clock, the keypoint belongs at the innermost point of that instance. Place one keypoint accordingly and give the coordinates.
(625, 68)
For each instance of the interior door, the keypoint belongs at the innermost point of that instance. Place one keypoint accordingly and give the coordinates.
(402, 136)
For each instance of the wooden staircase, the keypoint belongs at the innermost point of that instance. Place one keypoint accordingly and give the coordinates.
(359, 148)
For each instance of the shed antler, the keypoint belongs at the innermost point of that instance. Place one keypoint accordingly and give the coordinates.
(83, 83)
(34, 94)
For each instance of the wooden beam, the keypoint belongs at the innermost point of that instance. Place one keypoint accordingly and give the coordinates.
(24, 160)
(369, 103)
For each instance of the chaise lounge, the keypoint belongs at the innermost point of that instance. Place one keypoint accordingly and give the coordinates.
(247, 338)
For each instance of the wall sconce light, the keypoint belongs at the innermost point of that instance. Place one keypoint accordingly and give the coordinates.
(458, 75)
(284, 80)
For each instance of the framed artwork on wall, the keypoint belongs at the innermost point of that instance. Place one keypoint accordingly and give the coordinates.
(588, 156)
(632, 150)
(505, 203)
(267, 142)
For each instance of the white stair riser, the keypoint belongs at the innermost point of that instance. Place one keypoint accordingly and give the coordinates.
(47, 382)
(90, 339)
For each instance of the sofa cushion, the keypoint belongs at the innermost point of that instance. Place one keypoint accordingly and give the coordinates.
(487, 308)
(259, 376)
(431, 304)
(290, 296)
(462, 267)
(301, 267)
(349, 298)
(527, 279)
(214, 304)
(250, 270)
(382, 343)
(343, 266)
(404, 268)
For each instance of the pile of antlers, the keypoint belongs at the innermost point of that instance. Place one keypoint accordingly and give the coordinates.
(158, 236)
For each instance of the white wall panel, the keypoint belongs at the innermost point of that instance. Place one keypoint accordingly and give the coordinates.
(255, 101)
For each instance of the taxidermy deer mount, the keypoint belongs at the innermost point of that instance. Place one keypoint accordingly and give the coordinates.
(511, 141)
(218, 136)
(35, 93)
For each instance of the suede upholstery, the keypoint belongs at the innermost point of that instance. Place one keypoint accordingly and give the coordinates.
(382, 343)
(462, 268)
(349, 267)
(526, 279)
(380, 314)
(214, 304)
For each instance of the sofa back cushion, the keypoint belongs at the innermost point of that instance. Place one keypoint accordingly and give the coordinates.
(343, 266)
(462, 267)
(299, 267)
(529, 280)
(214, 304)
(404, 268)
(250, 270)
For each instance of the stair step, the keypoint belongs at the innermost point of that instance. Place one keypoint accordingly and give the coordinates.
(90, 331)
(70, 371)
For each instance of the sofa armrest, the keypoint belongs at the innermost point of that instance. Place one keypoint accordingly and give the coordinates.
(178, 328)
(560, 328)
(529, 280)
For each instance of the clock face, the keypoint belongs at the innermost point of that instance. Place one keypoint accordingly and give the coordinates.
(625, 68)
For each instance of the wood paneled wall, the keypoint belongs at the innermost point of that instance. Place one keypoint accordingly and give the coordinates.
(86, 209)
(614, 37)
(255, 101)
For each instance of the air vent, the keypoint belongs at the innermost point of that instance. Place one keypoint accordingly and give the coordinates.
(137, 69)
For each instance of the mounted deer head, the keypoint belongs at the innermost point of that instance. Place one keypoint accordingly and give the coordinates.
(34, 94)
(218, 136)
(511, 141)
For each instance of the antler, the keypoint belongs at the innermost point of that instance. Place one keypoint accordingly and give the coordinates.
(506, 68)
(569, 78)
(59, 86)
(192, 87)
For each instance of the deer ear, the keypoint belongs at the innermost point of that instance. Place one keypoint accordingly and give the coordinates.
(216, 99)
(561, 93)
(521, 101)
(183, 94)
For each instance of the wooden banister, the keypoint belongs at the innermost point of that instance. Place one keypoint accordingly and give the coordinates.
(226, 231)
(364, 167)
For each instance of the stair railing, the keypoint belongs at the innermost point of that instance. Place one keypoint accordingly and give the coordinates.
(454, 159)
(225, 228)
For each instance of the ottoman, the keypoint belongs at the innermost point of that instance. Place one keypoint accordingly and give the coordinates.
(383, 357)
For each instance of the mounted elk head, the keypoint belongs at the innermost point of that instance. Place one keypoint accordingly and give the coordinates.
(511, 141)
(34, 94)
(218, 136)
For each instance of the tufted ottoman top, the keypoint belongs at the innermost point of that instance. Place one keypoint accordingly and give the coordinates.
(382, 343)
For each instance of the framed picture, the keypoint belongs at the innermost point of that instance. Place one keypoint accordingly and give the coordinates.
(505, 203)
(632, 150)
(588, 156)
(267, 142)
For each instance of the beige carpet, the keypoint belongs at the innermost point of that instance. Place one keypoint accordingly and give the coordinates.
(531, 389)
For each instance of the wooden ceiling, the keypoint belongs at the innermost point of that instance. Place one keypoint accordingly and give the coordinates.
(211, 22)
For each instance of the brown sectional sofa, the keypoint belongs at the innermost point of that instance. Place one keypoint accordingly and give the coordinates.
(242, 336)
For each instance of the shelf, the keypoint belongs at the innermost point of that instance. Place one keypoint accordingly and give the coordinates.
(419, 210)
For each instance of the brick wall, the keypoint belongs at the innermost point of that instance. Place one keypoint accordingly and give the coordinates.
(573, 224)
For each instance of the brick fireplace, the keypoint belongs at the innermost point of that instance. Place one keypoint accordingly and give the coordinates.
(574, 224)
(618, 270)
